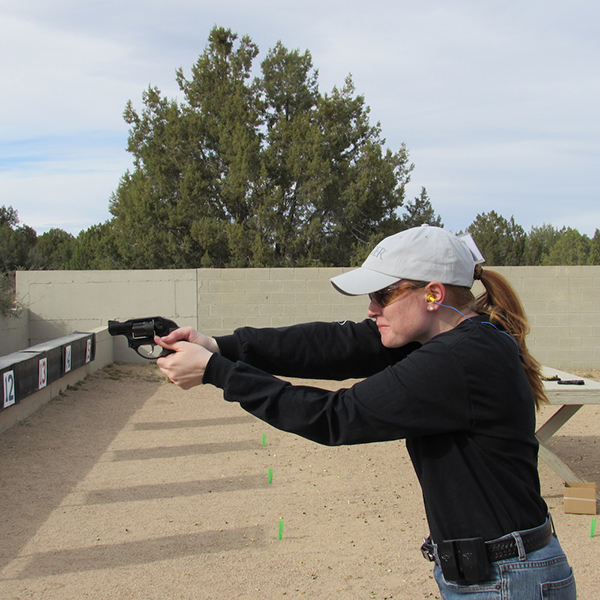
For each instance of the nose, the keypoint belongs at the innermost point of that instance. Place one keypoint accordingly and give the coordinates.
(373, 309)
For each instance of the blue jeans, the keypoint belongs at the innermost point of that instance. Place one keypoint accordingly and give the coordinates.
(543, 574)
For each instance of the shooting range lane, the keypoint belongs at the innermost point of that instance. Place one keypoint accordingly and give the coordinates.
(45, 457)
(129, 487)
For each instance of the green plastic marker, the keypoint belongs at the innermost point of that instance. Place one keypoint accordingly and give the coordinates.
(264, 438)
(593, 528)
(270, 475)
(280, 528)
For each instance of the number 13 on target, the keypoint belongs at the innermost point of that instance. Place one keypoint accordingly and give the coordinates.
(43, 373)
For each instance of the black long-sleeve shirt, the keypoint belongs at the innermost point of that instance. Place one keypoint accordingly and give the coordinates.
(461, 401)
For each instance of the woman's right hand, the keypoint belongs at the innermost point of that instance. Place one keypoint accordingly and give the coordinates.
(188, 334)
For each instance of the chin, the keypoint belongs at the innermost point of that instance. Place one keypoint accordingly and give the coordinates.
(395, 341)
(391, 343)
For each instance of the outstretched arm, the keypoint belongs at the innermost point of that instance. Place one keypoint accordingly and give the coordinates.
(315, 350)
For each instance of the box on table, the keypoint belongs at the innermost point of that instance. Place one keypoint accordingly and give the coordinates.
(580, 497)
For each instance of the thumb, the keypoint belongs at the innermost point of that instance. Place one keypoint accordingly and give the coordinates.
(181, 334)
(166, 342)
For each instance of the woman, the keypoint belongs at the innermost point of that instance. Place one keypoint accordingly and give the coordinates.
(448, 373)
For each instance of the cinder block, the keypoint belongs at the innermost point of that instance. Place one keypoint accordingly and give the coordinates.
(284, 321)
(257, 322)
(308, 273)
(211, 324)
(282, 274)
(236, 274)
(221, 286)
(221, 311)
(270, 310)
(580, 332)
(254, 285)
(295, 310)
(258, 298)
(579, 356)
(231, 323)
(580, 283)
(243, 311)
(319, 285)
(284, 298)
(546, 321)
(308, 298)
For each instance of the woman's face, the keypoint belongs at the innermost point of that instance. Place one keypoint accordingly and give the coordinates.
(405, 319)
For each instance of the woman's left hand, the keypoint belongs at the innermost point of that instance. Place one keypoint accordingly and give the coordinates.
(186, 366)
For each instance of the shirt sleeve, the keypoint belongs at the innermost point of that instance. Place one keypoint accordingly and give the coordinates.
(423, 394)
(316, 350)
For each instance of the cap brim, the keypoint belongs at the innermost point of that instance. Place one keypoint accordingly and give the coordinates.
(361, 281)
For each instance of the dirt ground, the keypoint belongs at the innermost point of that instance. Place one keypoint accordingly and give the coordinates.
(130, 488)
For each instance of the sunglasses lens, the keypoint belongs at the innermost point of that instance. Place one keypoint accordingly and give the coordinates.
(377, 297)
(384, 297)
(389, 294)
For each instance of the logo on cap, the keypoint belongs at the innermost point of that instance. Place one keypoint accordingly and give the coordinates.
(378, 252)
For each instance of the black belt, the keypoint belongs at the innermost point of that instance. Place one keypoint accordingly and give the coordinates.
(458, 557)
(533, 539)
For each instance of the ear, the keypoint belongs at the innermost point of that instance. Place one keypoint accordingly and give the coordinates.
(435, 293)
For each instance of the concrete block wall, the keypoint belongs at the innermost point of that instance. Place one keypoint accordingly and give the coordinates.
(559, 302)
(232, 298)
(14, 332)
(62, 302)
(563, 312)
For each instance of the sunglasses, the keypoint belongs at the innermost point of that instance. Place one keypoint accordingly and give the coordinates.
(392, 293)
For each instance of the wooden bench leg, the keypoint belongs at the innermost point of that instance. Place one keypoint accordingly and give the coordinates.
(546, 431)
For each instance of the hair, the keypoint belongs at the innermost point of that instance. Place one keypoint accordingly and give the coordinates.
(501, 302)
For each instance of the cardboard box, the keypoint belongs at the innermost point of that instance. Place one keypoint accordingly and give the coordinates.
(580, 498)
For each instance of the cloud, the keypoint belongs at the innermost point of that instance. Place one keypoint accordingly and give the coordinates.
(497, 101)
(62, 181)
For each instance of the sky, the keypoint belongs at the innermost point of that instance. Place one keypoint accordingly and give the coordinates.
(498, 102)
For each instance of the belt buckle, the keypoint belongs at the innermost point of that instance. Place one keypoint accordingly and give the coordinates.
(428, 550)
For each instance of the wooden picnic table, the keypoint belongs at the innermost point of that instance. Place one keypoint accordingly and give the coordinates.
(570, 398)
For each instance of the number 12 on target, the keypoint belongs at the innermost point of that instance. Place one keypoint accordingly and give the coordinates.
(9, 388)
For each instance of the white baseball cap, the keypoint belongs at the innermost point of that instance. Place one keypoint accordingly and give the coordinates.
(422, 254)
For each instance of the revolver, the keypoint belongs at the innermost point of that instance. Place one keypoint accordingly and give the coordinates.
(140, 334)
